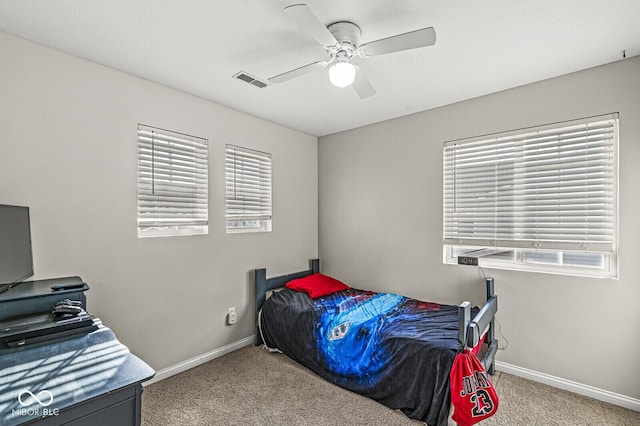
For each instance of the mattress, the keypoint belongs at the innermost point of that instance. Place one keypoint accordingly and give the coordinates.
(393, 349)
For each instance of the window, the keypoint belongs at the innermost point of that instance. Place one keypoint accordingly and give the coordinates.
(172, 183)
(248, 188)
(540, 199)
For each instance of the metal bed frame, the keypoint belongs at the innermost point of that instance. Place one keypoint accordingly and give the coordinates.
(470, 330)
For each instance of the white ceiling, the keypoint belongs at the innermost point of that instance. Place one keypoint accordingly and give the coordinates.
(196, 46)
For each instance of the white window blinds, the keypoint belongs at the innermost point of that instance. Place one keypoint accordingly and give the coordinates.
(549, 187)
(172, 180)
(248, 186)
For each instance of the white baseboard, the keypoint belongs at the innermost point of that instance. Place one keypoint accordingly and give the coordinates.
(201, 359)
(568, 385)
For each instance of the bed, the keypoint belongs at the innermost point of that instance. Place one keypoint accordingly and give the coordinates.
(400, 357)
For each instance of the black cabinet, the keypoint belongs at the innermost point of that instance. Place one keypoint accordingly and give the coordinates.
(85, 379)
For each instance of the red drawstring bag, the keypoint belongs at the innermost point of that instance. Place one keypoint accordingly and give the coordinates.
(472, 394)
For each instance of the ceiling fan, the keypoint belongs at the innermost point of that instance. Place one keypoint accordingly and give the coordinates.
(341, 40)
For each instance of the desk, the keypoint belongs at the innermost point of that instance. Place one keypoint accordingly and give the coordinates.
(88, 380)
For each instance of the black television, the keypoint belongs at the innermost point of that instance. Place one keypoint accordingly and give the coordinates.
(16, 258)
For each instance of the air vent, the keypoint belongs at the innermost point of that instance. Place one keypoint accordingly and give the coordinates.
(247, 78)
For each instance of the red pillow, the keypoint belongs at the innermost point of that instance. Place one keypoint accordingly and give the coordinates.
(317, 285)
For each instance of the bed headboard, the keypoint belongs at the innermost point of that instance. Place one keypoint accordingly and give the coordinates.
(264, 284)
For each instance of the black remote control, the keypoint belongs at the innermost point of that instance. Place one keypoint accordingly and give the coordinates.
(67, 286)
(68, 302)
(62, 310)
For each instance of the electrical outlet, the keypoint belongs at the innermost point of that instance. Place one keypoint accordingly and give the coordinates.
(232, 317)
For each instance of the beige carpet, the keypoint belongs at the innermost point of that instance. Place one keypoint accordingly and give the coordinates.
(254, 387)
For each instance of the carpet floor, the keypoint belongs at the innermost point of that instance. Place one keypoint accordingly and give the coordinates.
(251, 386)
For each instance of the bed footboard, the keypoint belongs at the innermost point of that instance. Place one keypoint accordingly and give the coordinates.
(471, 330)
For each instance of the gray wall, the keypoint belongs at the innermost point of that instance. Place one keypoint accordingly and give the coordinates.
(380, 226)
(68, 151)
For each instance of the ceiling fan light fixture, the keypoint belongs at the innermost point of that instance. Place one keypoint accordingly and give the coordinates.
(342, 74)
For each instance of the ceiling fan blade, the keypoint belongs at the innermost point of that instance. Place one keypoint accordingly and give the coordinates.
(309, 22)
(362, 85)
(411, 40)
(297, 72)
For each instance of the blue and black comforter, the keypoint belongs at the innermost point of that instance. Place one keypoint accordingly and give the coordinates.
(390, 348)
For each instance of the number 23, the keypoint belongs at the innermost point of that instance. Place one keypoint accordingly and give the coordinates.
(483, 402)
